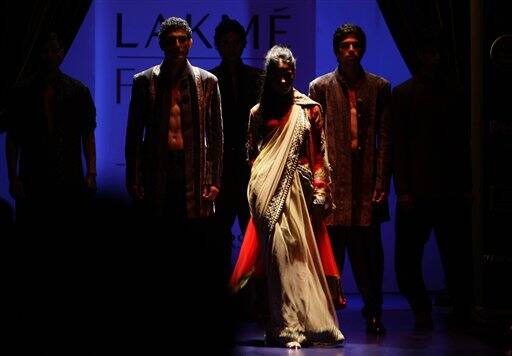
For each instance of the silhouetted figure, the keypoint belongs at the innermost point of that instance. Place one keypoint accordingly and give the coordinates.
(239, 85)
(173, 170)
(356, 104)
(432, 178)
(51, 121)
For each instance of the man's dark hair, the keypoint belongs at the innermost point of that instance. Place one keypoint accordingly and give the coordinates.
(226, 26)
(173, 24)
(345, 30)
(47, 38)
(429, 39)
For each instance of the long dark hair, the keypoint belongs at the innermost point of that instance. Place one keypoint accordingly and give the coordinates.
(270, 101)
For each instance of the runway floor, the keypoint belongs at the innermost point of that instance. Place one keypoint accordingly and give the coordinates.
(446, 339)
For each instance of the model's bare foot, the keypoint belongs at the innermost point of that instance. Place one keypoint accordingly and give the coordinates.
(293, 345)
(339, 337)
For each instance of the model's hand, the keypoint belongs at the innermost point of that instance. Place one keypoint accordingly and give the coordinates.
(210, 192)
(136, 192)
(318, 212)
(321, 207)
(90, 184)
(16, 188)
(379, 196)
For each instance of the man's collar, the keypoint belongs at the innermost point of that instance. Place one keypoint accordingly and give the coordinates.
(237, 65)
(161, 69)
(49, 79)
(342, 77)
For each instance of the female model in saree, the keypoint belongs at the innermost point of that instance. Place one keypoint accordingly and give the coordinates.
(288, 195)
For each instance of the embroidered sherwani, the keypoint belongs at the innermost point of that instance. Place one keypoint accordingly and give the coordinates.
(374, 140)
(358, 172)
(146, 136)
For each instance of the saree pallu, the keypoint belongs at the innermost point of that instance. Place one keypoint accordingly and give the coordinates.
(300, 306)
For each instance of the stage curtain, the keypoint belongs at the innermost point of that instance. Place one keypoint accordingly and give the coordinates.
(408, 20)
(24, 22)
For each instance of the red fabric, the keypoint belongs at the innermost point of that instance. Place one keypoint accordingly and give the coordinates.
(325, 249)
(248, 260)
(249, 263)
(272, 123)
(318, 183)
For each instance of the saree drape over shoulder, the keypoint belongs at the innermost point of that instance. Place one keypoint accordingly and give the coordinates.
(301, 309)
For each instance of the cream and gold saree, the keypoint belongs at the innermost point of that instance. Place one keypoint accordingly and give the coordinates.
(301, 309)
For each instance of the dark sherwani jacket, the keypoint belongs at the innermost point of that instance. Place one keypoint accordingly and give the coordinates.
(147, 130)
(431, 140)
(235, 115)
(51, 157)
(374, 137)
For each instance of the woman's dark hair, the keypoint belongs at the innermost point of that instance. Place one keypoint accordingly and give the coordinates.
(276, 55)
